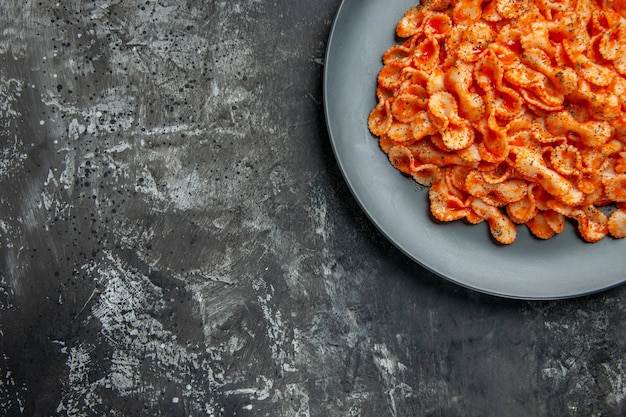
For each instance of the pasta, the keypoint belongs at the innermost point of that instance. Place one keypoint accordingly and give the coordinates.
(513, 113)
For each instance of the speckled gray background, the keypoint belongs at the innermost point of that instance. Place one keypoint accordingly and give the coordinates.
(176, 239)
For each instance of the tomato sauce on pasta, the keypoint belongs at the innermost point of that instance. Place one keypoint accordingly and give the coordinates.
(512, 112)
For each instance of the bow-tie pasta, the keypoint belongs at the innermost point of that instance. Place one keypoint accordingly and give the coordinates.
(511, 112)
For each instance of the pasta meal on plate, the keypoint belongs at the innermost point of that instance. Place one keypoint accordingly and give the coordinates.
(512, 112)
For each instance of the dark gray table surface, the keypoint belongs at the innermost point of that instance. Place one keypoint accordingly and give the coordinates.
(176, 239)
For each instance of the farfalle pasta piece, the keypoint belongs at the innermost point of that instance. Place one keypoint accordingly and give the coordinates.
(426, 174)
(456, 178)
(592, 223)
(549, 7)
(591, 133)
(496, 194)
(615, 187)
(456, 132)
(414, 80)
(542, 197)
(406, 107)
(539, 227)
(609, 45)
(545, 224)
(535, 87)
(505, 102)
(510, 9)
(555, 220)
(513, 112)
(589, 70)
(599, 104)
(400, 54)
(445, 206)
(400, 132)
(538, 37)
(467, 12)
(532, 166)
(612, 147)
(566, 160)
(428, 153)
(490, 13)
(493, 146)
(501, 227)
(541, 135)
(471, 154)
(594, 160)
(564, 79)
(390, 76)
(401, 158)
(380, 119)
(475, 40)
(564, 25)
(617, 223)
(589, 184)
(411, 22)
(421, 126)
(606, 24)
(459, 79)
(436, 25)
(522, 210)
(426, 54)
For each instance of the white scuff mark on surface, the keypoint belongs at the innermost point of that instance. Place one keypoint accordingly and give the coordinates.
(127, 309)
(149, 188)
(51, 201)
(294, 400)
(616, 375)
(7, 235)
(391, 371)
(278, 334)
(10, 91)
(75, 129)
(112, 113)
(191, 191)
(11, 159)
(5, 296)
(181, 187)
(215, 309)
(319, 214)
(281, 180)
(187, 129)
(554, 370)
(80, 395)
(124, 373)
(8, 382)
(259, 393)
(215, 89)
(47, 198)
(120, 147)
(78, 363)
(67, 177)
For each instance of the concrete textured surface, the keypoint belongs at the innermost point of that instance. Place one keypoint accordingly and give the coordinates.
(176, 239)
